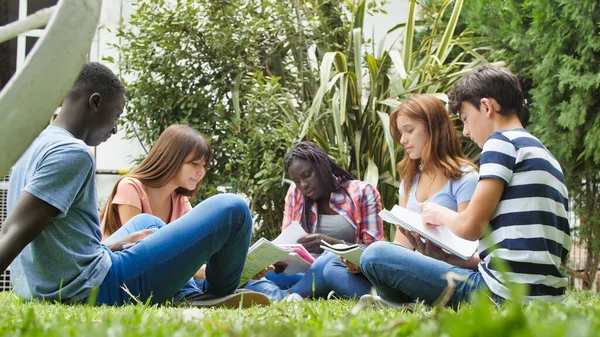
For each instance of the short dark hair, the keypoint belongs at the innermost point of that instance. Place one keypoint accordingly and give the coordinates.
(488, 81)
(95, 77)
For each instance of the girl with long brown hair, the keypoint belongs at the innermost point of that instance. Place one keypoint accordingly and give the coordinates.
(163, 182)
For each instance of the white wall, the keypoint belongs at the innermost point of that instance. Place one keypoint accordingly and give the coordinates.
(376, 27)
(117, 153)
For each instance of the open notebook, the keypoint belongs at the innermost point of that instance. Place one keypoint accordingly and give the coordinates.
(351, 252)
(441, 236)
(284, 248)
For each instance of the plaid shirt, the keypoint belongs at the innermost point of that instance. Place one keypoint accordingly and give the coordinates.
(358, 202)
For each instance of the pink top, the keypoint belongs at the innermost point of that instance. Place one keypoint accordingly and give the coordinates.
(130, 191)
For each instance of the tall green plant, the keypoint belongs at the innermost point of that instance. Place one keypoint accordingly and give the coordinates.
(239, 71)
(350, 113)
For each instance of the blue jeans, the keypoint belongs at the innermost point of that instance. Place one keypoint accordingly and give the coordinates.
(401, 275)
(282, 280)
(304, 287)
(345, 284)
(160, 267)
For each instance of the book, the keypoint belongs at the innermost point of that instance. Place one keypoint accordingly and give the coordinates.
(284, 248)
(441, 236)
(291, 234)
(351, 253)
(260, 255)
(295, 264)
(300, 251)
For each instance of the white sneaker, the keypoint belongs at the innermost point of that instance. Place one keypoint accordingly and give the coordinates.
(293, 297)
(332, 296)
(376, 301)
(239, 299)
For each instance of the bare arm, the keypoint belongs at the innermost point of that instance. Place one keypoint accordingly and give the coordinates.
(399, 237)
(455, 260)
(469, 264)
(126, 212)
(471, 223)
(429, 249)
(25, 222)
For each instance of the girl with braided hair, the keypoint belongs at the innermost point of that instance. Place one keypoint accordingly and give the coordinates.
(334, 207)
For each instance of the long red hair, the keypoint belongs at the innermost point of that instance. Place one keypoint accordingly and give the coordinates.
(442, 153)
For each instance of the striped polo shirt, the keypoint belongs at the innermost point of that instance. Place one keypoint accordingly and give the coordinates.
(530, 227)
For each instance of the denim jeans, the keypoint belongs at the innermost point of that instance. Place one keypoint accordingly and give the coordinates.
(304, 287)
(345, 284)
(284, 281)
(216, 232)
(401, 275)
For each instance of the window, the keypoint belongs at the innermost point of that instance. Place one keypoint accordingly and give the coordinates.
(13, 52)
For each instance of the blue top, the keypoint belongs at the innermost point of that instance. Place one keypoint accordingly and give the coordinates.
(530, 227)
(67, 258)
(453, 193)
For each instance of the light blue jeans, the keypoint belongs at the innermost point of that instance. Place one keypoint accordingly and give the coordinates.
(401, 275)
(217, 232)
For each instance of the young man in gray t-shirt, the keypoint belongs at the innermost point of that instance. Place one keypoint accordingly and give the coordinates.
(52, 234)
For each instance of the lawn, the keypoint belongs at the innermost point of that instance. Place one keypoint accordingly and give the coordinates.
(578, 315)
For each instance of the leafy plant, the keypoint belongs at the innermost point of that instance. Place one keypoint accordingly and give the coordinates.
(350, 113)
(239, 71)
(245, 74)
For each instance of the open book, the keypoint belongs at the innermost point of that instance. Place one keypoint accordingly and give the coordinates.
(351, 253)
(264, 253)
(441, 236)
(260, 255)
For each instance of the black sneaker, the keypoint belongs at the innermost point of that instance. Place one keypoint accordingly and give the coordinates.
(241, 298)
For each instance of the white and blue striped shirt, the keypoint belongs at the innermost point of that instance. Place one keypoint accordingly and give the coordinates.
(530, 227)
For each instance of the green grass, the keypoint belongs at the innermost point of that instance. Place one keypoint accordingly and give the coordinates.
(579, 315)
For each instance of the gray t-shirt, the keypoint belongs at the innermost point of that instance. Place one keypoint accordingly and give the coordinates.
(337, 227)
(67, 259)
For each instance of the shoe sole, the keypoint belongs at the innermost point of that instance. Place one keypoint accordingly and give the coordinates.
(236, 300)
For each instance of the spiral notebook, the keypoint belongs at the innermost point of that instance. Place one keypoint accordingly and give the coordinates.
(441, 236)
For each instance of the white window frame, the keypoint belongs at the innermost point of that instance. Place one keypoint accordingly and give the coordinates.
(22, 38)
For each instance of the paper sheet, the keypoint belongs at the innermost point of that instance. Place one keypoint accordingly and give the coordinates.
(291, 234)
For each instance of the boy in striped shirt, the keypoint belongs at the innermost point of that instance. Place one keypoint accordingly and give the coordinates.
(520, 205)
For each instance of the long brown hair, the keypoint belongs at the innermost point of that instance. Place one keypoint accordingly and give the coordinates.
(162, 163)
(442, 153)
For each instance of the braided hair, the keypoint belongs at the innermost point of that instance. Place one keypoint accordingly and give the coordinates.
(331, 174)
